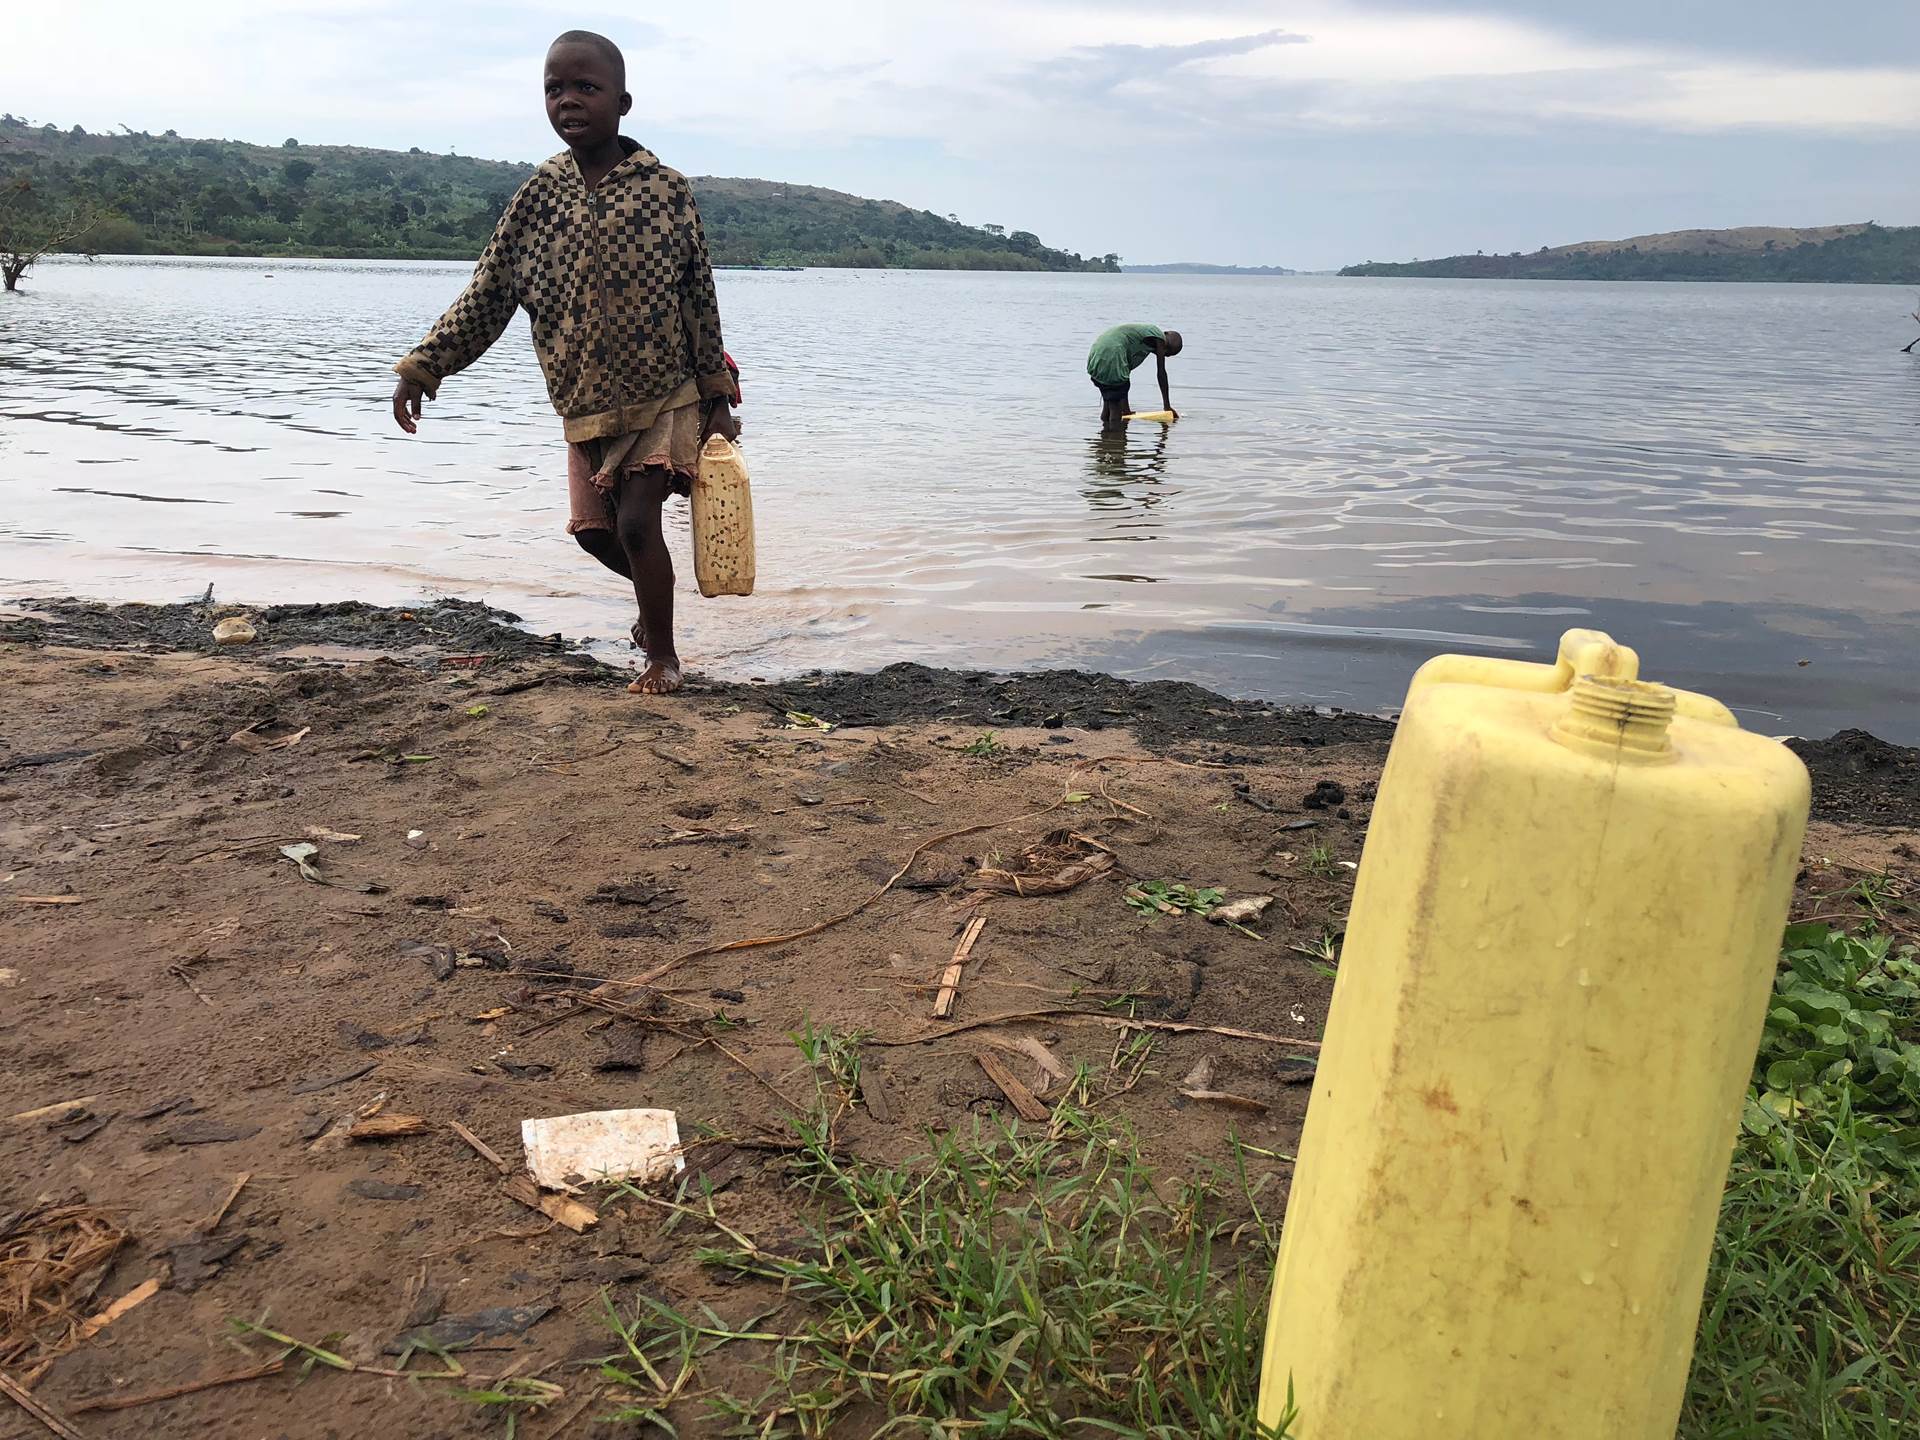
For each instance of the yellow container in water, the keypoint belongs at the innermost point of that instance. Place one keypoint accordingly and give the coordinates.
(722, 521)
(1563, 938)
(1164, 417)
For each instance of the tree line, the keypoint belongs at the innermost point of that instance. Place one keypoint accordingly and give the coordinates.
(1875, 255)
(171, 195)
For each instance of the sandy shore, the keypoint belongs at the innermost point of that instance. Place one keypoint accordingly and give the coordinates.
(219, 1015)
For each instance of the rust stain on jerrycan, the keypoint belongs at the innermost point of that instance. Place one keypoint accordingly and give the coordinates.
(1564, 934)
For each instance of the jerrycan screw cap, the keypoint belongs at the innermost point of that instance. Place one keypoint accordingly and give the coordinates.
(1627, 719)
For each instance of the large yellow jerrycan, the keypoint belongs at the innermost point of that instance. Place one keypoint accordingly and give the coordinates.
(723, 543)
(1563, 937)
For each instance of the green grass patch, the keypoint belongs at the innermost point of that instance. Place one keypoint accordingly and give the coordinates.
(1809, 1327)
(1011, 1282)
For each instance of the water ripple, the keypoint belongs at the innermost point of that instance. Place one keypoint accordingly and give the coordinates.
(1365, 471)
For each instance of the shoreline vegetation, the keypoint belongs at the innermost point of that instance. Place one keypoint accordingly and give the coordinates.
(172, 195)
(384, 882)
(1863, 254)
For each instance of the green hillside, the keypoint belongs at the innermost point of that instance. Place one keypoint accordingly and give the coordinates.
(1865, 254)
(175, 196)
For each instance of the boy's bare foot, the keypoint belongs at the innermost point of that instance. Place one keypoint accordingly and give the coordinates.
(661, 677)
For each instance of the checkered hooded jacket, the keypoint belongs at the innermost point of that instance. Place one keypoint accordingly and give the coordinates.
(617, 284)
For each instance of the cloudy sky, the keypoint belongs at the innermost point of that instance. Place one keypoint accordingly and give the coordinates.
(1248, 131)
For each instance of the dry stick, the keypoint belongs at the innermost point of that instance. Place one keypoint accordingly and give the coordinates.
(239, 1184)
(139, 1295)
(485, 1151)
(59, 1107)
(950, 980)
(762, 940)
(11, 1389)
(1024, 1103)
(128, 1402)
(1121, 804)
(1072, 1016)
(576, 1215)
(179, 972)
(772, 1089)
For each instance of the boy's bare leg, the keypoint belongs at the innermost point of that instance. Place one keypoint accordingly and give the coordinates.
(604, 546)
(637, 527)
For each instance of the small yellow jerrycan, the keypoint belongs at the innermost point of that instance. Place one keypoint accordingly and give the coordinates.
(722, 521)
(1563, 938)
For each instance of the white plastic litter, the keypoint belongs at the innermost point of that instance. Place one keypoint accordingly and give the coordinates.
(565, 1152)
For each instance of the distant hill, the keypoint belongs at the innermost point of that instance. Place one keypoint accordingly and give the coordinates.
(1866, 254)
(177, 196)
(1193, 267)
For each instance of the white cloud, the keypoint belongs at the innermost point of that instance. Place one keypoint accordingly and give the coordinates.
(970, 78)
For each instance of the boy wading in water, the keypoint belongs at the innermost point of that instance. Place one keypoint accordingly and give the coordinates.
(1111, 363)
(603, 249)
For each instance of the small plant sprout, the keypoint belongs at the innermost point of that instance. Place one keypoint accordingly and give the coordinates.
(984, 748)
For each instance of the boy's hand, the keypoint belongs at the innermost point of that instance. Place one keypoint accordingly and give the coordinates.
(719, 422)
(407, 396)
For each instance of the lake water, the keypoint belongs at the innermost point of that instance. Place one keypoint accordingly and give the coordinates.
(1366, 472)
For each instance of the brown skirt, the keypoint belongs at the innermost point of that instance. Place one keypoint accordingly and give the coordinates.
(596, 467)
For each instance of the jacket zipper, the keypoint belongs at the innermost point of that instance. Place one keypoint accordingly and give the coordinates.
(600, 284)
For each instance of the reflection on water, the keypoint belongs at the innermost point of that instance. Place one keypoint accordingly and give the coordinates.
(1365, 472)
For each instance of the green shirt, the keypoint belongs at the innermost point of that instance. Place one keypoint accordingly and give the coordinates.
(1112, 359)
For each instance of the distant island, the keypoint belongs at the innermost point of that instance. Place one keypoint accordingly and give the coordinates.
(1864, 254)
(1193, 267)
(171, 195)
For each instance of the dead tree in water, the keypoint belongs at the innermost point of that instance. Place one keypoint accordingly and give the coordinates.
(1907, 349)
(29, 229)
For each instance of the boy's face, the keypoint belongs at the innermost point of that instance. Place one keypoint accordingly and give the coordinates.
(584, 97)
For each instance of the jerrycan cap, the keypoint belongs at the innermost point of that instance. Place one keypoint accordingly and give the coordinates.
(1618, 718)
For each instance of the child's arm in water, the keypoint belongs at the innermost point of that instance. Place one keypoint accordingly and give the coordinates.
(461, 336)
(1166, 401)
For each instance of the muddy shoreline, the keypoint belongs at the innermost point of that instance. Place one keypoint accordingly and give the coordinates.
(1857, 777)
(525, 893)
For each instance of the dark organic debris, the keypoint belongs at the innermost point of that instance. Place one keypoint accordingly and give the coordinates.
(641, 892)
(428, 1306)
(437, 958)
(364, 1039)
(626, 1049)
(1244, 791)
(525, 1069)
(327, 1082)
(195, 1261)
(51, 757)
(1164, 714)
(1325, 795)
(78, 1125)
(455, 1330)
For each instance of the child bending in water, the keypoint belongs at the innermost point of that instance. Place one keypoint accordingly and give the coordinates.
(603, 249)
